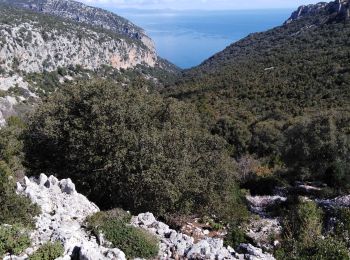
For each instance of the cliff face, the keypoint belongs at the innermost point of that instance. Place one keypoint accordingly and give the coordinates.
(82, 13)
(41, 39)
(32, 42)
(336, 10)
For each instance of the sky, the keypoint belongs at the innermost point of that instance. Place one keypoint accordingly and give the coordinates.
(198, 4)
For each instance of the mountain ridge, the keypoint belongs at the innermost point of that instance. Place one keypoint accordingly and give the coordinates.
(79, 12)
(337, 10)
(290, 68)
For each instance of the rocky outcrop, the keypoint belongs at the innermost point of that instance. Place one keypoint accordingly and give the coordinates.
(9, 104)
(260, 204)
(62, 219)
(64, 211)
(336, 10)
(35, 43)
(82, 13)
(307, 10)
(175, 245)
(338, 202)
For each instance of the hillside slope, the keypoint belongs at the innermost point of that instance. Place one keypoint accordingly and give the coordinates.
(82, 13)
(301, 66)
(44, 44)
(34, 42)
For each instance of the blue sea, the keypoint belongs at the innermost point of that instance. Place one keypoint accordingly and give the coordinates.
(187, 38)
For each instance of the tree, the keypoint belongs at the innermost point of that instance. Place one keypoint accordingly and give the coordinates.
(128, 148)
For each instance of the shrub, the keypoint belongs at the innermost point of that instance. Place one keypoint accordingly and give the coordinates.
(132, 149)
(342, 226)
(331, 249)
(48, 251)
(11, 144)
(304, 222)
(235, 236)
(302, 232)
(134, 242)
(13, 240)
(14, 209)
(267, 138)
(236, 133)
(317, 146)
(327, 249)
(338, 175)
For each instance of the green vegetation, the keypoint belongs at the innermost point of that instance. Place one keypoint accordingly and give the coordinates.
(318, 148)
(342, 226)
(303, 226)
(235, 236)
(48, 251)
(308, 73)
(14, 209)
(281, 96)
(13, 240)
(270, 110)
(134, 242)
(16, 212)
(135, 150)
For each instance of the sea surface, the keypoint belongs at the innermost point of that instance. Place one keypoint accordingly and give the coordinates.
(187, 38)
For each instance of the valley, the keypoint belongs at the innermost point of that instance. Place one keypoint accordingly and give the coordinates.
(108, 151)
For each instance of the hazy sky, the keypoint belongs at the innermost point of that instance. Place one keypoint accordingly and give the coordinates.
(199, 4)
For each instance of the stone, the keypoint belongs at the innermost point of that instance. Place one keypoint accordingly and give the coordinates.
(42, 179)
(64, 211)
(253, 253)
(67, 186)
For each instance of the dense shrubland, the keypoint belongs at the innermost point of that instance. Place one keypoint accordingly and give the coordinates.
(227, 125)
(132, 149)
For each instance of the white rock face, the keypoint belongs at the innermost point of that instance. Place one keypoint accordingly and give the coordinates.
(175, 245)
(258, 204)
(338, 202)
(63, 213)
(254, 253)
(6, 108)
(34, 51)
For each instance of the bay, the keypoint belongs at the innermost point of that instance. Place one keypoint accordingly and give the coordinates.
(187, 38)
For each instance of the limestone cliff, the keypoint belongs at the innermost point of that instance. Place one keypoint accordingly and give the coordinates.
(82, 13)
(32, 42)
(336, 10)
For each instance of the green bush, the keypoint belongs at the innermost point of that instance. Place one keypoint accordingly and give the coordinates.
(342, 227)
(236, 133)
(267, 138)
(14, 209)
(317, 147)
(323, 249)
(134, 242)
(48, 251)
(13, 240)
(132, 149)
(331, 249)
(11, 144)
(338, 175)
(304, 222)
(302, 231)
(235, 236)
